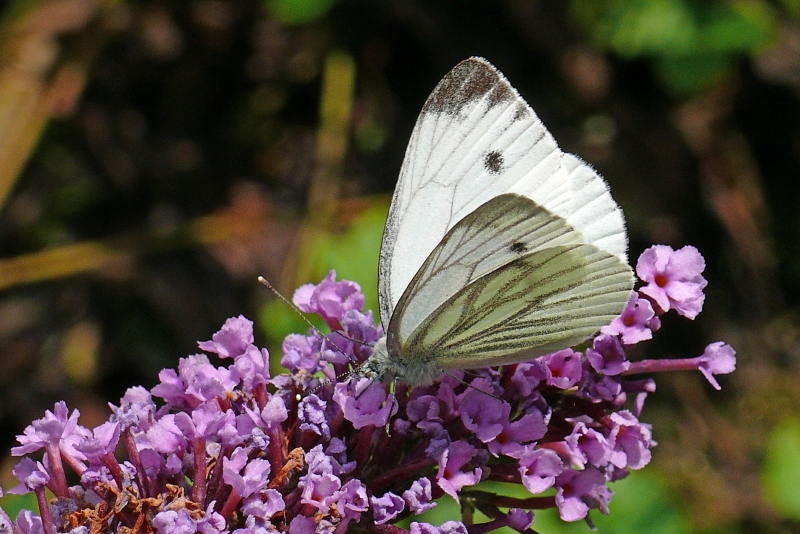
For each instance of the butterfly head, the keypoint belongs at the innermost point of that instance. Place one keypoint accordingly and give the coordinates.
(385, 364)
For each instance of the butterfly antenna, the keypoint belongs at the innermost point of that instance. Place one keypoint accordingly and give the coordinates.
(263, 281)
(473, 387)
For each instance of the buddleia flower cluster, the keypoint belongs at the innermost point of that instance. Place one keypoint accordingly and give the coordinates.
(230, 449)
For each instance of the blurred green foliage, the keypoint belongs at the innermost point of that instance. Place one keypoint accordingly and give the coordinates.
(691, 44)
(12, 504)
(295, 12)
(792, 7)
(781, 470)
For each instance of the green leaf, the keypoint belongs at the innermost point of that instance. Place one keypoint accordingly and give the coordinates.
(692, 44)
(683, 76)
(782, 469)
(675, 28)
(642, 503)
(12, 504)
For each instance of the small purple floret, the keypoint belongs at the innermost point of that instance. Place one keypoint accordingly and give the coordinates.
(719, 358)
(637, 322)
(674, 279)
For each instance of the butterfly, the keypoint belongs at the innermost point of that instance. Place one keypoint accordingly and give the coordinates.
(498, 247)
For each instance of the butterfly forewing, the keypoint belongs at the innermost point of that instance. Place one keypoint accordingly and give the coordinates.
(474, 139)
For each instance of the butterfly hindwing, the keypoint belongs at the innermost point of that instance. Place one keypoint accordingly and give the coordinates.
(498, 232)
(592, 210)
(528, 286)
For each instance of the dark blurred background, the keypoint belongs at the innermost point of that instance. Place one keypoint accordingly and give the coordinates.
(156, 156)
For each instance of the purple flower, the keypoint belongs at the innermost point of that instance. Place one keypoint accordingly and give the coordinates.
(418, 496)
(197, 381)
(449, 527)
(319, 490)
(564, 368)
(320, 487)
(336, 456)
(251, 368)
(483, 415)
(273, 414)
(106, 437)
(368, 407)
(165, 437)
(28, 523)
(53, 430)
(515, 434)
(607, 355)
(589, 445)
(232, 340)
(361, 327)
(636, 323)
(254, 478)
(601, 386)
(271, 504)
(6, 525)
(450, 477)
(301, 352)
(58, 434)
(311, 411)
(302, 525)
(528, 375)
(519, 519)
(205, 421)
(330, 299)
(136, 409)
(386, 508)
(32, 476)
(432, 412)
(719, 358)
(175, 522)
(632, 441)
(673, 278)
(577, 491)
(539, 468)
(352, 500)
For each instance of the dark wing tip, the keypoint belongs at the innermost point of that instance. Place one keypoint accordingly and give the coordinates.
(472, 79)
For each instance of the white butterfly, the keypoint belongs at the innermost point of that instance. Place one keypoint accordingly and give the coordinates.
(498, 246)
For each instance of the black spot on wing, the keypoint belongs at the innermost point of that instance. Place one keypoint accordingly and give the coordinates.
(493, 162)
(518, 247)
